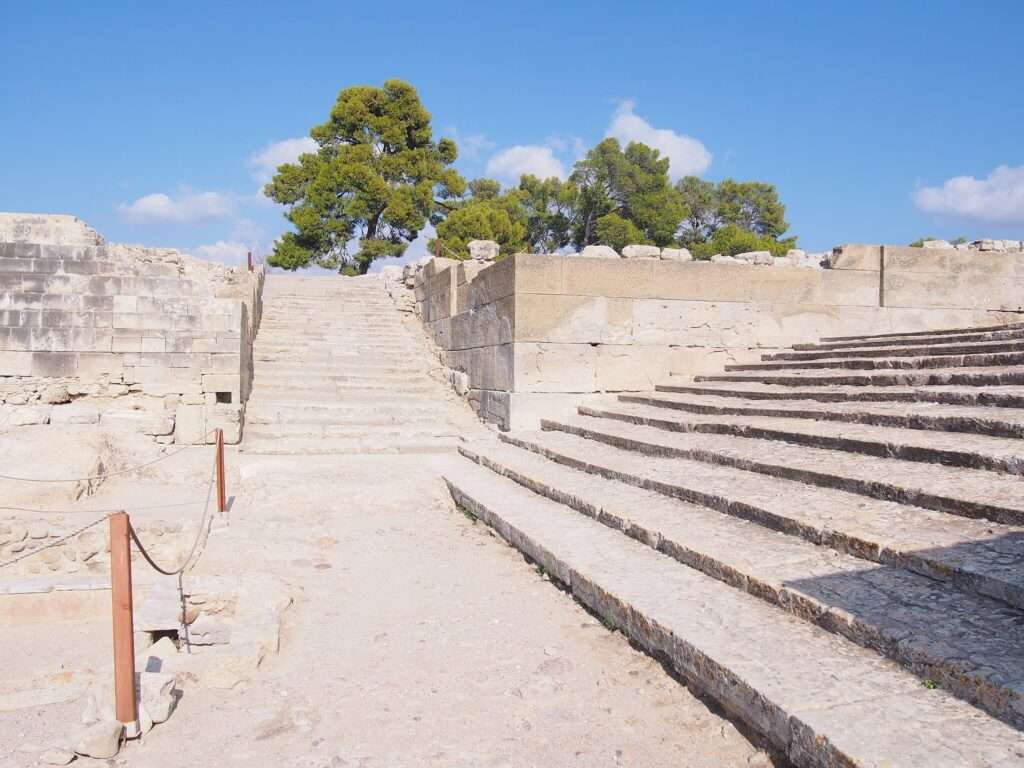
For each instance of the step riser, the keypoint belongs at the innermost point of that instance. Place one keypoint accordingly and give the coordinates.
(1010, 464)
(944, 332)
(989, 428)
(841, 541)
(937, 351)
(966, 338)
(981, 398)
(877, 490)
(955, 675)
(907, 364)
(908, 379)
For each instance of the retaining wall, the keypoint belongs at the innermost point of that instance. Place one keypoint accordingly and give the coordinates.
(533, 333)
(148, 337)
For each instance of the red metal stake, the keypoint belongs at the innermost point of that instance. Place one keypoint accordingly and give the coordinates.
(124, 638)
(222, 499)
(249, 256)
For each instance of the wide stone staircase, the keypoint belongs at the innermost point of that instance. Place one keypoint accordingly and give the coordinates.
(827, 543)
(338, 371)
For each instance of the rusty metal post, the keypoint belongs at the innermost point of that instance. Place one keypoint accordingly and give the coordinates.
(437, 248)
(124, 639)
(249, 256)
(222, 498)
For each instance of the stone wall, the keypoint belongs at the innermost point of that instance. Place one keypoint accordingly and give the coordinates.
(148, 337)
(533, 333)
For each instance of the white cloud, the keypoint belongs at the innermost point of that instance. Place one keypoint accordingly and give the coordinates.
(263, 164)
(509, 164)
(230, 252)
(687, 156)
(996, 199)
(186, 207)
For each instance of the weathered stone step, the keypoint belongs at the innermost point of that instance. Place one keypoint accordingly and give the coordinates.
(963, 337)
(925, 351)
(974, 555)
(368, 445)
(972, 377)
(888, 363)
(959, 450)
(331, 390)
(365, 398)
(338, 413)
(817, 697)
(1004, 422)
(365, 368)
(972, 645)
(1005, 396)
(958, 491)
(378, 432)
(943, 332)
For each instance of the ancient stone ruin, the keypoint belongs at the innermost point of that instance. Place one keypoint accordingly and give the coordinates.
(795, 483)
(93, 332)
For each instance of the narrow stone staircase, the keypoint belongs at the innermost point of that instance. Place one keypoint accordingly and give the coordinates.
(828, 543)
(338, 371)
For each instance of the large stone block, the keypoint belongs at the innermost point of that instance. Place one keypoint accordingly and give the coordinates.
(492, 283)
(617, 278)
(15, 363)
(539, 273)
(554, 367)
(190, 424)
(487, 325)
(54, 364)
(573, 319)
(636, 368)
(857, 256)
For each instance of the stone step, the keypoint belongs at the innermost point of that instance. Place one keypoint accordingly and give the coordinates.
(888, 363)
(971, 645)
(955, 490)
(975, 555)
(1005, 396)
(915, 351)
(817, 697)
(325, 379)
(365, 368)
(339, 445)
(959, 450)
(385, 432)
(1003, 422)
(972, 377)
(943, 332)
(963, 337)
(257, 412)
(364, 398)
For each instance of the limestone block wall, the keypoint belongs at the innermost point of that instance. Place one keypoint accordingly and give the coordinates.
(534, 333)
(91, 331)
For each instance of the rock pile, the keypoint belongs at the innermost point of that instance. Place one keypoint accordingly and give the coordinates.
(985, 244)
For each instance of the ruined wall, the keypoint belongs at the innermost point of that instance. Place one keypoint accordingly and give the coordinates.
(124, 335)
(533, 333)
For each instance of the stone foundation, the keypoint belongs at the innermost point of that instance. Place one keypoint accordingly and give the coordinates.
(533, 334)
(125, 335)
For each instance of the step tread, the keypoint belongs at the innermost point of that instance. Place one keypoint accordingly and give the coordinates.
(984, 375)
(817, 696)
(1004, 454)
(992, 394)
(941, 332)
(986, 557)
(972, 644)
(922, 363)
(813, 409)
(930, 350)
(951, 489)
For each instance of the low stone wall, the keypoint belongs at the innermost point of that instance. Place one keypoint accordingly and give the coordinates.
(91, 331)
(533, 333)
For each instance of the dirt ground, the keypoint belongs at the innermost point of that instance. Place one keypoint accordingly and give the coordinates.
(417, 638)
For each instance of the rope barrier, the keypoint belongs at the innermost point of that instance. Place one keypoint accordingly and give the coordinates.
(105, 474)
(203, 526)
(52, 544)
(98, 509)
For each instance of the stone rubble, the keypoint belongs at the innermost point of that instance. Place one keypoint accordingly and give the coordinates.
(483, 250)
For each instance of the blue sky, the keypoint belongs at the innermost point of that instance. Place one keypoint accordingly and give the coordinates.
(878, 122)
